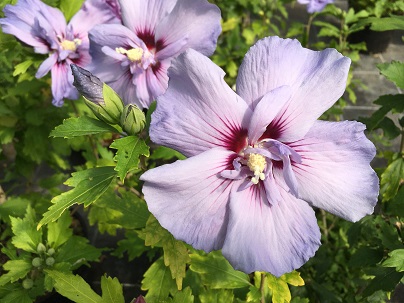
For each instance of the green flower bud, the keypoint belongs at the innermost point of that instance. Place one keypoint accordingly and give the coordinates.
(51, 251)
(103, 101)
(27, 283)
(36, 262)
(133, 120)
(50, 261)
(41, 248)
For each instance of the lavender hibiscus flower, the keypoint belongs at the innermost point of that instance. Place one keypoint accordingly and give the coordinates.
(315, 6)
(258, 159)
(133, 58)
(45, 28)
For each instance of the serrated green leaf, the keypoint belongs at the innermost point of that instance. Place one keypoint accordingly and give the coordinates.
(184, 296)
(396, 260)
(81, 126)
(293, 278)
(70, 7)
(254, 295)
(157, 280)
(88, 185)
(17, 296)
(22, 67)
(26, 237)
(280, 289)
(216, 271)
(393, 71)
(391, 178)
(127, 157)
(59, 231)
(17, 269)
(73, 287)
(77, 251)
(216, 296)
(111, 290)
(132, 245)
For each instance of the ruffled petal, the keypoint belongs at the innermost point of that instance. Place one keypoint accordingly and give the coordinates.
(274, 238)
(143, 16)
(62, 84)
(191, 24)
(335, 174)
(46, 66)
(199, 110)
(92, 12)
(189, 198)
(317, 80)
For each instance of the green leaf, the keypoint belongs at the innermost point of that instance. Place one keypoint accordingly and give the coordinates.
(393, 71)
(165, 153)
(216, 296)
(73, 287)
(386, 279)
(17, 296)
(22, 67)
(111, 290)
(88, 185)
(184, 296)
(216, 271)
(396, 260)
(388, 23)
(365, 256)
(81, 126)
(293, 278)
(14, 207)
(132, 244)
(127, 157)
(280, 289)
(395, 207)
(17, 269)
(157, 280)
(391, 178)
(254, 294)
(70, 7)
(59, 232)
(26, 237)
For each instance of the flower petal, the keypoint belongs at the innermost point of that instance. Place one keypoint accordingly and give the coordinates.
(46, 66)
(62, 83)
(191, 24)
(199, 110)
(277, 238)
(317, 80)
(335, 174)
(189, 198)
(143, 16)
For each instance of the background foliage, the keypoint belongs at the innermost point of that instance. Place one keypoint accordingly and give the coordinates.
(55, 162)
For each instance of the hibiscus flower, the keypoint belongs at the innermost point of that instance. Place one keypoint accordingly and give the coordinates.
(133, 58)
(44, 28)
(258, 159)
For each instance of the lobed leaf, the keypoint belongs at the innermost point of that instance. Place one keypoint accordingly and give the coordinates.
(111, 290)
(17, 269)
(393, 71)
(396, 259)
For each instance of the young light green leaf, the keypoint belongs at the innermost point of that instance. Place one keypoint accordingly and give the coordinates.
(22, 67)
(111, 290)
(17, 269)
(216, 271)
(88, 185)
(157, 280)
(254, 294)
(59, 231)
(184, 296)
(396, 260)
(391, 178)
(73, 287)
(293, 278)
(280, 289)
(70, 7)
(127, 157)
(81, 126)
(393, 71)
(26, 237)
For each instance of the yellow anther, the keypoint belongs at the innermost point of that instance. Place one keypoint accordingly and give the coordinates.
(257, 163)
(134, 54)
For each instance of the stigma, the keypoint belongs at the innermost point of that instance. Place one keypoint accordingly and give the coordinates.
(134, 54)
(70, 45)
(257, 164)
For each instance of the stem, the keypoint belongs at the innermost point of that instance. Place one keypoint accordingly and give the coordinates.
(324, 218)
(308, 27)
(402, 142)
(262, 287)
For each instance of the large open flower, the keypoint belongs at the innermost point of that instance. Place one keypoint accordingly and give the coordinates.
(133, 58)
(45, 28)
(258, 159)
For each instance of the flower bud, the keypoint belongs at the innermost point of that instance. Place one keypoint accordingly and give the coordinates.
(41, 248)
(51, 251)
(36, 262)
(103, 101)
(133, 119)
(50, 261)
(27, 283)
